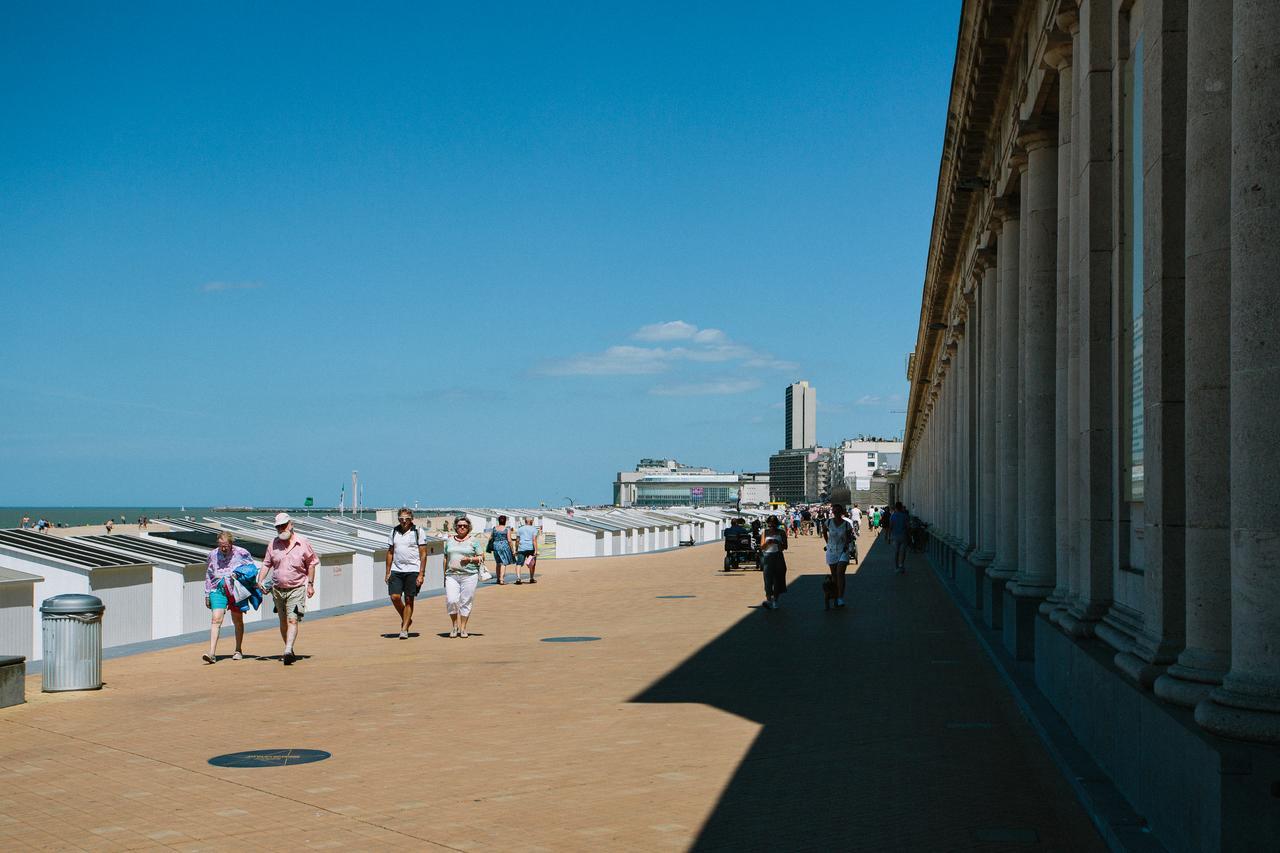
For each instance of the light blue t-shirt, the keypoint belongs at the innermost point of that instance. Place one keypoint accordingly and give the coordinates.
(526, 533)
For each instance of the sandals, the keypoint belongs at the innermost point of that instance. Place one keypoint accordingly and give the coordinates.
(207, 658)
(533, 580)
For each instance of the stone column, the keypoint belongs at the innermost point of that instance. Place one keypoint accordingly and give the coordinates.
(1035, 578)
(986, 381)
(1207, 356)
(1019, 162)
(1005, 563)
(1094, 239)
(1247, 705)
(973, 359)
(1037, 315)
(1160, 636)
(1058, 57)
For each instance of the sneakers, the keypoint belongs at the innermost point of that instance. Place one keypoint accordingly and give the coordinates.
(773, 605)
(404, 635)
(766, 604)
(839, 602)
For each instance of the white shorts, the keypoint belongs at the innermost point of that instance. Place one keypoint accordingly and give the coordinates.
(459, 593)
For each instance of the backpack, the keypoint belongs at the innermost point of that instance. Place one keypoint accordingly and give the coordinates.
(417, 538)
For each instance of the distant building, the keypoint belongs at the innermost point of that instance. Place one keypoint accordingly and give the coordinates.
(868, 468)
(755, 489)
(801, 411)
(666, 482)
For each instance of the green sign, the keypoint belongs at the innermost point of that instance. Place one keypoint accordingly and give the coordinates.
(309, 502)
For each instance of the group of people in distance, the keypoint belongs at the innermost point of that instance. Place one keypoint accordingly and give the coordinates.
(233, 582)
(839, 530)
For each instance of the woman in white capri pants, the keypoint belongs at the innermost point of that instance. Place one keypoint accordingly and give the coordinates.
(464, 556)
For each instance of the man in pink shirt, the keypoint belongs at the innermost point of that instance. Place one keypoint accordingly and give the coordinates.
(291, 562)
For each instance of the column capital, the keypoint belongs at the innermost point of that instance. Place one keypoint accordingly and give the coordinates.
(1057, 55)
(1035, 134)
(1068, 18)
(984, 259)
(1003, 209)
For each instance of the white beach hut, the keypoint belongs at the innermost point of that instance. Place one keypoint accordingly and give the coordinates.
(65, 565)
(17, 606)
(177, 595)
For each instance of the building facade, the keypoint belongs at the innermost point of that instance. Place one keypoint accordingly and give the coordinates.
(801, 411)
(666, 482)
(1099, 307)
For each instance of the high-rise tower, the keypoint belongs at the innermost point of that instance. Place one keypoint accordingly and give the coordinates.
(801, 416)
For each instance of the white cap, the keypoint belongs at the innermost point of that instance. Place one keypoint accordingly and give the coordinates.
(282, 518)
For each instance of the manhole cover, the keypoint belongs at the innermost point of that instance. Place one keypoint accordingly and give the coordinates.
(569, 639)
(676, 596)
(269, 758)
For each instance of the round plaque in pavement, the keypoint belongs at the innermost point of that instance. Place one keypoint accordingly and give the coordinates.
(269, 758)
(569, 639)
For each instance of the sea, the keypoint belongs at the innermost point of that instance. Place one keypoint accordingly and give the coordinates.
(74, 516)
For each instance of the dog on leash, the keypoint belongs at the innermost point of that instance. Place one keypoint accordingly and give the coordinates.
(828, 593)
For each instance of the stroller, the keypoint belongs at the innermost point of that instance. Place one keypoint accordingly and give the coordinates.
(740, 548)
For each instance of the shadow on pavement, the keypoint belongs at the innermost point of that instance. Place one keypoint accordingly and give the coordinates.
(860, 734)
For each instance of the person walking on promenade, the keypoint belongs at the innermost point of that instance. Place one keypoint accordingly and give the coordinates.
(773, 541)
(503, 554)
(527, 549)
(841, 548)
(224, 562)
(406, 568)
(463, 559)
(855, 517)
(291, 563)
(899, 528)
(110, 525)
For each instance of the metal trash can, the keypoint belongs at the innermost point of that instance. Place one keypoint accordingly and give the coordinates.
(72, 631)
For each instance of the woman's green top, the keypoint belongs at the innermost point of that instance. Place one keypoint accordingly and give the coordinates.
(454, 551)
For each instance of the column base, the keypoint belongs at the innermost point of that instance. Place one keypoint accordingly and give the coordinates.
(969, 578)
(1185, 685)
(1141, 672)
(993, 601)
(1242, 716)
(1018, 624)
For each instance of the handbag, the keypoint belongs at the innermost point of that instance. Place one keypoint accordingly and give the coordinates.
(486, 575)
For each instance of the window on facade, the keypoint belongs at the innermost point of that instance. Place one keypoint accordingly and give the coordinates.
(1131, 261)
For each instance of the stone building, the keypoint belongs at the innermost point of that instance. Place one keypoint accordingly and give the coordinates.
(1100, 306)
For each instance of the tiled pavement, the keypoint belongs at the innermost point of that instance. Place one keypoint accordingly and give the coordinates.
(697, 722)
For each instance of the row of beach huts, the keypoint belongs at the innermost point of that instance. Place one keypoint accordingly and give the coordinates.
(153, 584)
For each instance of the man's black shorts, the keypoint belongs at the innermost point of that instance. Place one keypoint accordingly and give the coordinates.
(403, 584)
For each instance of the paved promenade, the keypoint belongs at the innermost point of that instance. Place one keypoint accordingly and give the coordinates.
(694, 723)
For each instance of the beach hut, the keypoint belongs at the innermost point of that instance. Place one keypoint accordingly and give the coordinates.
(17, 607)
(65, 565)
(177, 596)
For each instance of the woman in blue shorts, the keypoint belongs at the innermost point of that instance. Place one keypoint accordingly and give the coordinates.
(223, 562)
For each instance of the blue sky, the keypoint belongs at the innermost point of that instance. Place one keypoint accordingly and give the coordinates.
(485, 253)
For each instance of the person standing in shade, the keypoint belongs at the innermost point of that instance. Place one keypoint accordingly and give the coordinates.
(503, 553)
(527, 549)
(463, 559)
(840, 538)
(223, 562)
(899, 526)
(291, 562)
(773, 541)
(406, 568)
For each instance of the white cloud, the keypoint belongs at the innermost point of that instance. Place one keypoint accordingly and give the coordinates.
(615, 361)
(870, 400)
(705, 389)
(220, 286)
(702, 346)
(673, 330)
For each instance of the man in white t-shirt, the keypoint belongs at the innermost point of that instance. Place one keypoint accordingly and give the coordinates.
(406, 567)
(855, 516)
